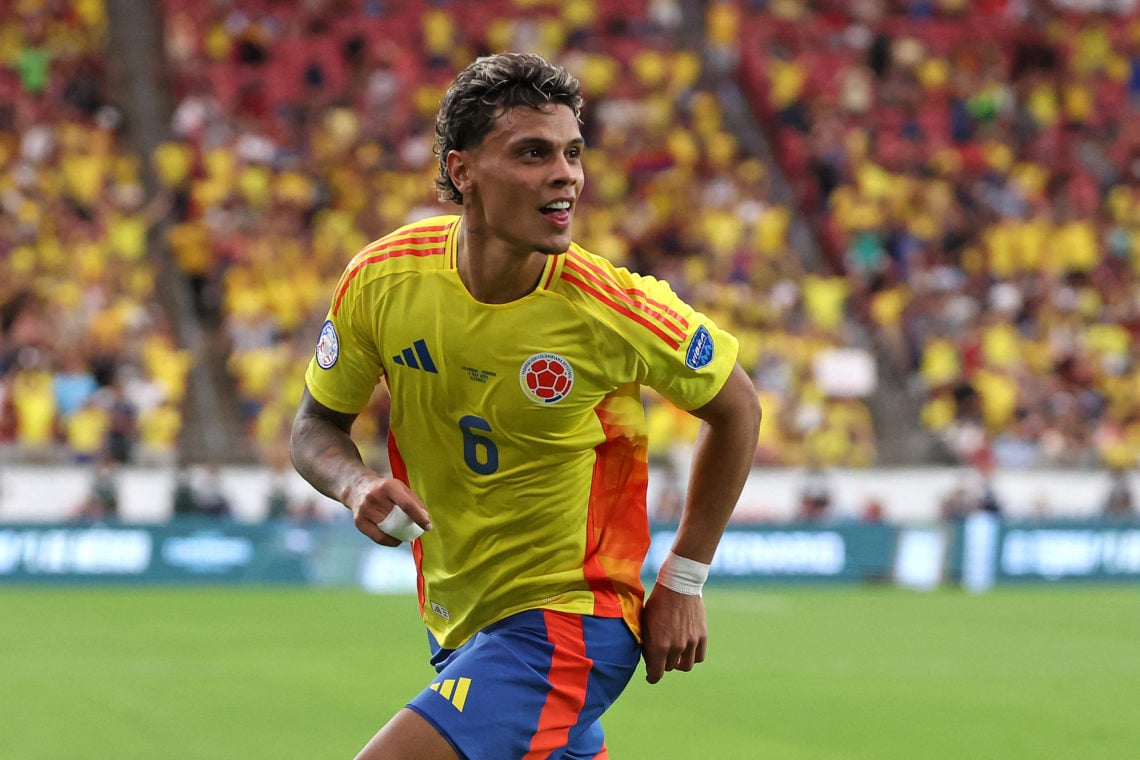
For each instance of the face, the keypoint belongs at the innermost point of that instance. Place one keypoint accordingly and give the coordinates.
(521, 184)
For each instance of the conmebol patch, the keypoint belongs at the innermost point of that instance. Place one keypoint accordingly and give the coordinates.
(700, 351)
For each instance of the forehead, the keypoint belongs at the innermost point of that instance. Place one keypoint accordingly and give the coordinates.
(554, 123)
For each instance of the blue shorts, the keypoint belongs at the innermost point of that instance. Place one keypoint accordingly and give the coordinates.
(531, 686)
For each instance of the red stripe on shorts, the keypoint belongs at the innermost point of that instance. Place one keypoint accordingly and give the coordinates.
(568, 676)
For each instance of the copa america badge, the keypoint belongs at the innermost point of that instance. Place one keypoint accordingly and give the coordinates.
(328, 346)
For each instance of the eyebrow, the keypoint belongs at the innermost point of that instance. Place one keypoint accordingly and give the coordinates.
(542, 142)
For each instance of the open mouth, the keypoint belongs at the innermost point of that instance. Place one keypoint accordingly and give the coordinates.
(557, 212)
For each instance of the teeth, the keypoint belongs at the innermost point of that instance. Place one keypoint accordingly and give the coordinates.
(559, 205)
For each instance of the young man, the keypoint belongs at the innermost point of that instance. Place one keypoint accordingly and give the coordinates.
(517, 442)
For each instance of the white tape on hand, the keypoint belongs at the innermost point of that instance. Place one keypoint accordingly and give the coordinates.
(398, 525)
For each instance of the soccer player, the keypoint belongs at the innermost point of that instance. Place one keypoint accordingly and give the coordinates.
(514, 359)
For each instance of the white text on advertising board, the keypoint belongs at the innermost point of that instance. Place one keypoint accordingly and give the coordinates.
(95, 551)
(743, 553)
(1055, 553)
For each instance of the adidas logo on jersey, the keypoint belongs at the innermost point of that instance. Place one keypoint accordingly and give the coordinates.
(416, 357)
(453, 690)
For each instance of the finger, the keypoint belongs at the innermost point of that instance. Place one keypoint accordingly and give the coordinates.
(418, 513)
(654, 664)
(413, 507)
(686, 658)
(372, 530)
(701, 648)
(653, 673)
(398, 525)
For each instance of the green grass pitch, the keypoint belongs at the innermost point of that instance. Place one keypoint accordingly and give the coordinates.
(793, 673)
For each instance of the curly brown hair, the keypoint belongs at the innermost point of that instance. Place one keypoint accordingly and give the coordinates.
(483, 91)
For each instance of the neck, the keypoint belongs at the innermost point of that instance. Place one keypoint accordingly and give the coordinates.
(493, 272)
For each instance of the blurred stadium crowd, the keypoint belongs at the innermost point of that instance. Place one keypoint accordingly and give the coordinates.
(968, 173)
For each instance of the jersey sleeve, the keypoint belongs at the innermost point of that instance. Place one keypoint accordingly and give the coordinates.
(690, 358)
(346, 365)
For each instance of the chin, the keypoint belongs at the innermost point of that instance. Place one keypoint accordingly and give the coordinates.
(553, 247)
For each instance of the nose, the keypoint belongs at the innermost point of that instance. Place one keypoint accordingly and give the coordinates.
(566, 171)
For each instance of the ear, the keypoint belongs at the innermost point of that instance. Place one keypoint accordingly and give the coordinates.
(459, 168)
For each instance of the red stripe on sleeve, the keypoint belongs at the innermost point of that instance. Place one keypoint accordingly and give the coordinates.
(636, 316)
(383, 249)
(382, 253)
(411, 237)
(601, 274)
(635, 299)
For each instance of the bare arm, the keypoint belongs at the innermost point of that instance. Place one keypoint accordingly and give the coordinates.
(325, 455)
(674, 629)
(722, 459)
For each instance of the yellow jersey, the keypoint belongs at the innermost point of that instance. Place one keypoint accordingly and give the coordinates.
(520, 425)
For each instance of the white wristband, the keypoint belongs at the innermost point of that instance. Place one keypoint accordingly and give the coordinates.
(683, 575)
(398, 525)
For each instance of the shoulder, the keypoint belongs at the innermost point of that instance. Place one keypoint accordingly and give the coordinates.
(422, 246)
(596, 275)
(625, 299)
(420, 241)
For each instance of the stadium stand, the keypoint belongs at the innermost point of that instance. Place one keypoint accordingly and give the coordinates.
(971, 170)
(968, 173)
(309, 130)
(89, 368)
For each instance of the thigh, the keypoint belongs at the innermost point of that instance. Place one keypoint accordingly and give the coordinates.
(531, 686)
(407, 736)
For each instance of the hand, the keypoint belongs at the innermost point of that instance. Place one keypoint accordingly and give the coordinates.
(372, 497)
(674, 632)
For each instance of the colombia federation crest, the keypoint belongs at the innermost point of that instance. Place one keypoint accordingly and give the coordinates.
(546, 378)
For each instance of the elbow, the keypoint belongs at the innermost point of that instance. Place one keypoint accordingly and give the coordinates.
(756, 416)
(735, 411)
(749, 418)
(296, 435)
(745, 413)
(746, 409)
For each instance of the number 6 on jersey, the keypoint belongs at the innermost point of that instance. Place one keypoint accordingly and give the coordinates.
(479, 452)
